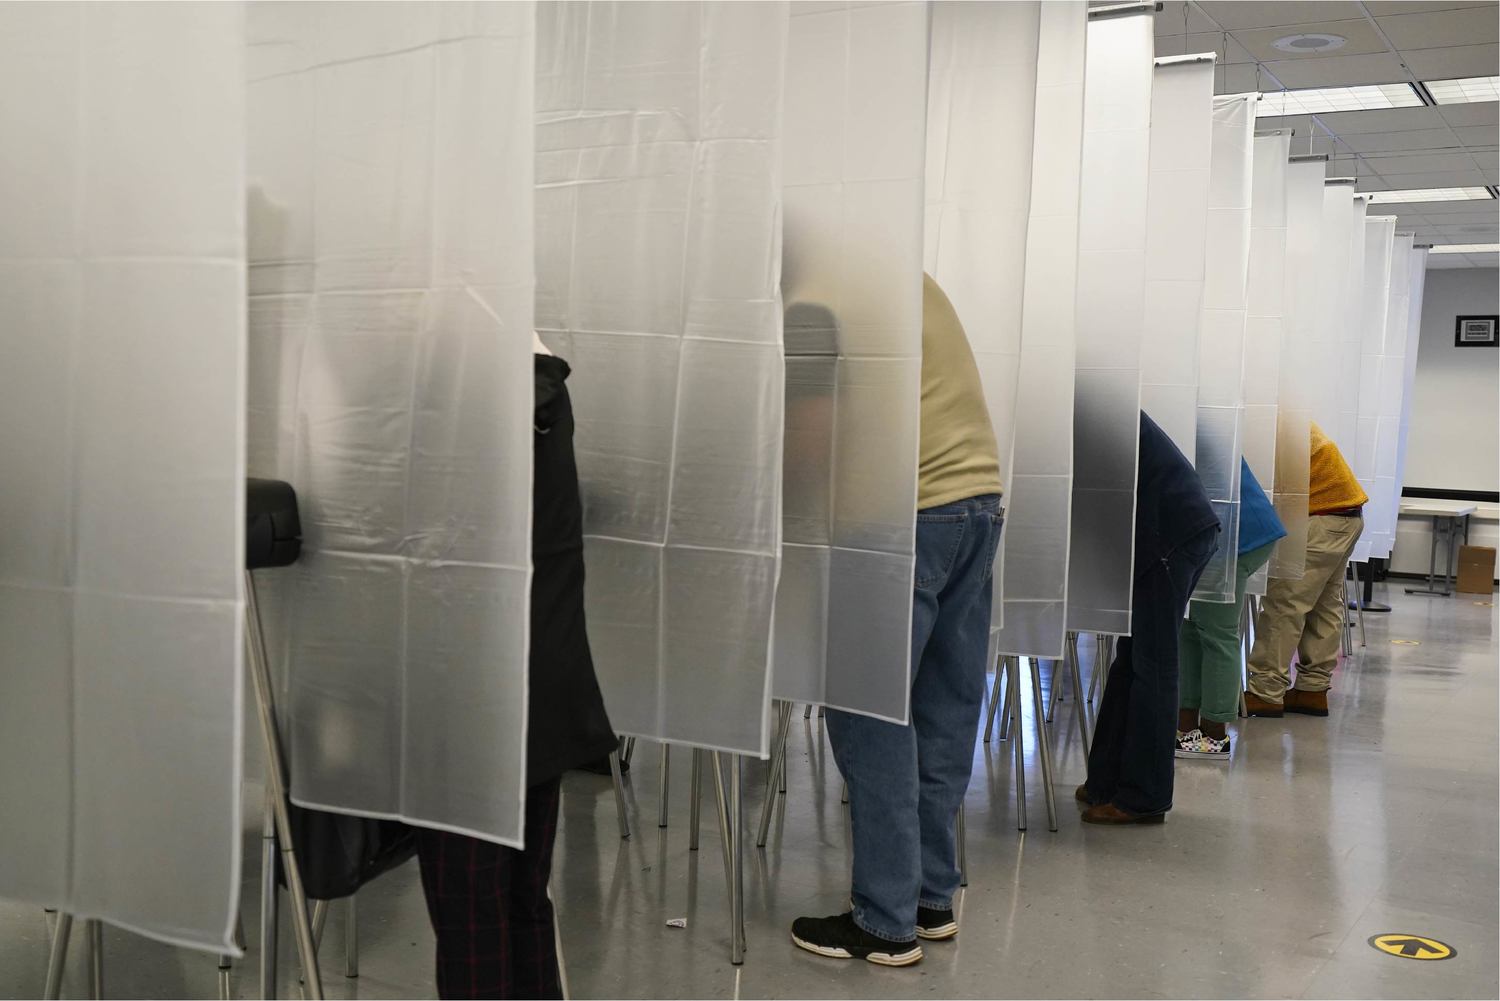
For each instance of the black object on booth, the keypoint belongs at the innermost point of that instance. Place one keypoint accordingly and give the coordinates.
(273, 532)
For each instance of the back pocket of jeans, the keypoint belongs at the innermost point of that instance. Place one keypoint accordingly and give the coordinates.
(939, 537)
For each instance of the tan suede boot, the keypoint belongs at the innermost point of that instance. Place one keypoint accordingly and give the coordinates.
(1257, 706)
(1306, 703)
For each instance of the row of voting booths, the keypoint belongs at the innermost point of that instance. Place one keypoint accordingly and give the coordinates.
(311, 242)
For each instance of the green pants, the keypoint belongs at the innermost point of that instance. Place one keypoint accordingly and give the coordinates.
(1209, 650)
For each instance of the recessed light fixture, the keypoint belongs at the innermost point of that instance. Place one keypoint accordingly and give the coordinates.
(1468, 90)
(1429, 195)
(1323, 100)
(1311, 42)
(1467, 248)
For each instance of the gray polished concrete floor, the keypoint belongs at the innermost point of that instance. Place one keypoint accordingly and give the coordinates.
(1267, 880)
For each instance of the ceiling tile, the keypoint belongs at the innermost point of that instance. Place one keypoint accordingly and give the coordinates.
(1453, 62)
(1234, 15)
(1171, 44)
(1169, 19)
(1382, 8)
(1239, 78)
(1446, 262)
(1388, 120)
(1382, 142)
(1332, 71)
(1437, 28)
(1374, 183)
(1442, 212)
(1437, 179)
(1425, 163)
(1473, 135)
(1482, 260)
(1361, 34)
(1300, 124)
(1486, 114)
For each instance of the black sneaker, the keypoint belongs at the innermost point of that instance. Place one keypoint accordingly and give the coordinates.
(934, 924)
(838, 937)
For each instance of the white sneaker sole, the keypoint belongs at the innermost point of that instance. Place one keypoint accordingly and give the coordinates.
(1203, 755)
(939, 933)
(907, 958)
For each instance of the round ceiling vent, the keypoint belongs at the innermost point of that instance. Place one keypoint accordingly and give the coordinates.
(1303, 44)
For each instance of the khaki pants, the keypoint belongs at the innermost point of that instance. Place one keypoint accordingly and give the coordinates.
(1305, 616)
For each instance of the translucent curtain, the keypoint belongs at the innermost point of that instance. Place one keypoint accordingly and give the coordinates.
(856, 86)
(1039, 489)
(981, 106)
(390, 310)
(1221, 349)
(122, 501)
(1182, 95)
(1351, 344)
(1334, 303)
(658, 247)
(1375, 363)
(1264, 318)
(1397, 371)
(1111, 304)
(1299, 354)
(1416, 286)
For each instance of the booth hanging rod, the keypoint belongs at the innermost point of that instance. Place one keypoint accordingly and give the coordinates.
(1198, 57)
(1277, 132)
(1121, 10)
(1340, 180)
(1308, 158)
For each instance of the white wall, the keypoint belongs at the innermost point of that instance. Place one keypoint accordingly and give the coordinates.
(1455, 420)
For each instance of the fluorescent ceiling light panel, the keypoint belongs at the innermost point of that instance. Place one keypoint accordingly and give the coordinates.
(1324, 100)
(1469, 90)
(1428, 195)
(1467, 248)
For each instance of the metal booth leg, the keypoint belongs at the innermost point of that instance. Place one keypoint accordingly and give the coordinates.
(96, 958)
(663, 777)
(57, 959)
(276, 785)
(1013, 715)
(351, 938)
(619, 783)
(270, 901)
(996, 695)
(1071, 656)
(695, 805)
(778, 766)
(963, 849)
(1043, 751)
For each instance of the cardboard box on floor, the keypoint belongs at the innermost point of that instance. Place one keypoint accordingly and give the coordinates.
(1476, 569)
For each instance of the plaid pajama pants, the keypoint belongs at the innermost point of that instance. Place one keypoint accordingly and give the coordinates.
(490, 910)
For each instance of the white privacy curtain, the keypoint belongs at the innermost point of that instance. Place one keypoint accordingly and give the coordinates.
(1038, 492)
(1221, 348)
(390, 158)
(1379, 372)
(1265, 305)
(122, 495)
(981, 108)
(1417, 284)
(1182, 97)
(1398, 367)
(658, 129)
(1301, 351)
(1334, 303)
(1111, 303)
(1351, 346)
(856, 84)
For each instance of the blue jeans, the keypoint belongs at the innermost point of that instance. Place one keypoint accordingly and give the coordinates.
(906, 782)
(1135, 734)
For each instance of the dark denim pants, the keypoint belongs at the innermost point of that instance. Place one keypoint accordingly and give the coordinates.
(1131, 760)
(906, 782)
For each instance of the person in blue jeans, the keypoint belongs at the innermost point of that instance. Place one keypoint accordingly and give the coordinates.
(1135, 736)
(906, 782)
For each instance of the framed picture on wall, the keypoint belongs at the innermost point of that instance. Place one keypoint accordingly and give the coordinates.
(1476, 332)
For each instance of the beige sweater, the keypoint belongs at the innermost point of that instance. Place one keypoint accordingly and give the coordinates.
(958, 454)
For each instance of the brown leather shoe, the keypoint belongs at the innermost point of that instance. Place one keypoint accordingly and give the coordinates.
(1306, 703)
(1082, 795)
(1257, 706)
(1108, 813)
